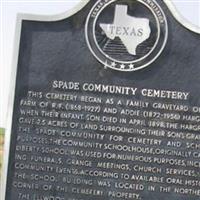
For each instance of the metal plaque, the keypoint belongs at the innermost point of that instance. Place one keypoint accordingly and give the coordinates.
(105, 104)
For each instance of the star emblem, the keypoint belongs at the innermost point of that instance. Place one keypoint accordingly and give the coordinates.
(131, 66)
(122, 66)
(106, 65)
(113, 64)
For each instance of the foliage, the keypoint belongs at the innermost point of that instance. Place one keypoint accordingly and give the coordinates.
(2, 131)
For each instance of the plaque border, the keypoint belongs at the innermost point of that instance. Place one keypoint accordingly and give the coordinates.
(180, 18)
(15, 56)
(18, 25)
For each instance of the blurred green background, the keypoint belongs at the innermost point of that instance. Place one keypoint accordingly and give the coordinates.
(2, 133)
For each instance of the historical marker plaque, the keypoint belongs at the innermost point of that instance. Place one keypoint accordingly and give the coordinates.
(106, 105)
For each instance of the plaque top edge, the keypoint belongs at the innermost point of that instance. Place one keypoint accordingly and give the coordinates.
(176, 14)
